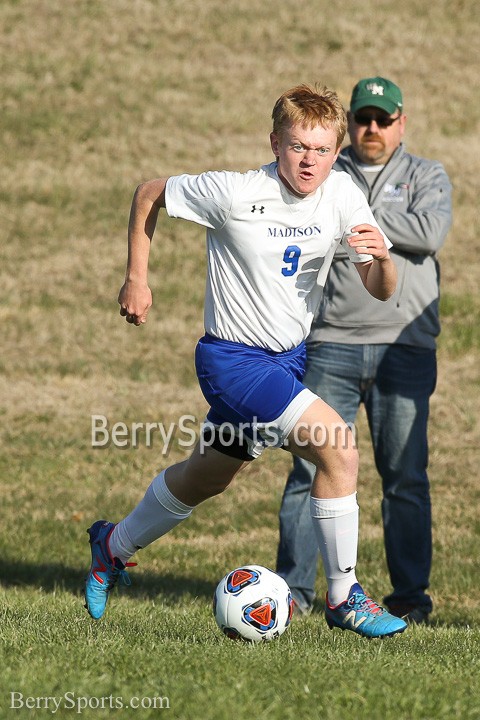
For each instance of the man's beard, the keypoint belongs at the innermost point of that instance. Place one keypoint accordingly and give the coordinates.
(370, 152)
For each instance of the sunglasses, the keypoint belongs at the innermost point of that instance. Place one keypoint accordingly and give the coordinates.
(382, 121)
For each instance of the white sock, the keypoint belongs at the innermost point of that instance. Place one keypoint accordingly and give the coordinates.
(158, 512)
(336, 525)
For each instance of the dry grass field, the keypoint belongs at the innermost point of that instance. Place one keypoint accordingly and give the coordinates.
(98, 96)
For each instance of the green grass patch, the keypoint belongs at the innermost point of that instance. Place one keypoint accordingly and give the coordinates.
(461, 323)
(148, 649)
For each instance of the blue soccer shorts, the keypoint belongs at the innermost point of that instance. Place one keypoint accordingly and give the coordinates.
(256, 396)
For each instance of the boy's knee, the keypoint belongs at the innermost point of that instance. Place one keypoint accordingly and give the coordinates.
(350, 459)
(341, 460)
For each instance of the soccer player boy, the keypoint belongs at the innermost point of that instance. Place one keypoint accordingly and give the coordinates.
(271, 236)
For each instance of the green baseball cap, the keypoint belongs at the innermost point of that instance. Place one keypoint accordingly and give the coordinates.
(376, 92)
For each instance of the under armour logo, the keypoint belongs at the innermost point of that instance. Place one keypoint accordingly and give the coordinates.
(260, 209)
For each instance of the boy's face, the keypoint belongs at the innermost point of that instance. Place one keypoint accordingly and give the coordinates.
(305, 157)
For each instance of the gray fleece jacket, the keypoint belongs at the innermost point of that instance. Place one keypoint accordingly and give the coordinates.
(411, 201)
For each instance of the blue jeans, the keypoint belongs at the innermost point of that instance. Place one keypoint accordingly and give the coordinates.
(394, 382)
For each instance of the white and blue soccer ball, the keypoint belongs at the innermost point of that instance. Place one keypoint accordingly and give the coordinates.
(252, 603)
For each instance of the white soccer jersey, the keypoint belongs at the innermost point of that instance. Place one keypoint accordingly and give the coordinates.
(268, 251)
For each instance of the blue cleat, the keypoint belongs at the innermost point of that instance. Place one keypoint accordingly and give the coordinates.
(363, 616)
(104, 571)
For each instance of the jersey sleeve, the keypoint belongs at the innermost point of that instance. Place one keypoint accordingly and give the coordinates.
(359, 212)
(205, 199)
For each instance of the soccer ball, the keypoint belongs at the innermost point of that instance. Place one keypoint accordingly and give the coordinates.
(252, 603)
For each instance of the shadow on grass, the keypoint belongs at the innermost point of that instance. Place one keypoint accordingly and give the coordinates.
(167, 587)
(53, 577)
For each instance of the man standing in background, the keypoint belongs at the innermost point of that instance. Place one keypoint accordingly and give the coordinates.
(380, 354)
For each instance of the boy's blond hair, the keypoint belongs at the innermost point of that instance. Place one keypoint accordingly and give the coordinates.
(310, 106)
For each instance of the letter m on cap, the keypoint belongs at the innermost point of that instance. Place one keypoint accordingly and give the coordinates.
(375, 88)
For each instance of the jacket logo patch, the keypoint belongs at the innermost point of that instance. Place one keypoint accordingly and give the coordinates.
(393, 193)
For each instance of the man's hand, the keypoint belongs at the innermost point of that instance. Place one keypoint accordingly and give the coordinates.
(369, 240)
(135, 301)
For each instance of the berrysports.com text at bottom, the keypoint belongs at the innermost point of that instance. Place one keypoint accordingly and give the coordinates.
(78, 703)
